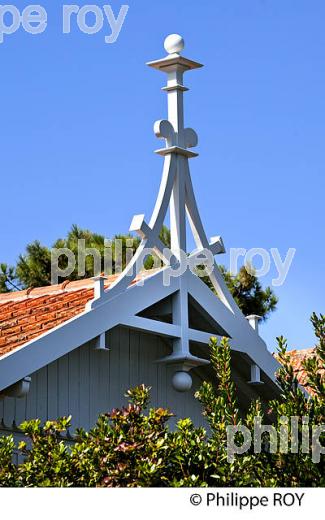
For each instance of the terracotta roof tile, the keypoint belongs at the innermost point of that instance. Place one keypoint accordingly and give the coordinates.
(296, 358)
(25, 315)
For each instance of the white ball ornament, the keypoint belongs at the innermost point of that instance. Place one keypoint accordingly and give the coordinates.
(174, 43)
(182, 381)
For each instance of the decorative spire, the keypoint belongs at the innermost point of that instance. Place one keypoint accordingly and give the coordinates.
(176, 192)
(178, 138)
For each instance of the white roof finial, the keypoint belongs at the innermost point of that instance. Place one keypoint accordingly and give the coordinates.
(174, 44)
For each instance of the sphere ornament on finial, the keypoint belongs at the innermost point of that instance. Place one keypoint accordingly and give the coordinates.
(174, 43)
(182, 381)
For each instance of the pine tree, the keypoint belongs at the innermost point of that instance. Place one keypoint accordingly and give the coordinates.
(8, 281)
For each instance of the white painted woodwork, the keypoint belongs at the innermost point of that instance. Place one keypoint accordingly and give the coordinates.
(255, 375)
(253, 320)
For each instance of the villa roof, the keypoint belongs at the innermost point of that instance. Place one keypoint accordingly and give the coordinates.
(25, 315)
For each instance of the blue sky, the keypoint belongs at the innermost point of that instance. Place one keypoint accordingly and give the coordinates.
(77, 141)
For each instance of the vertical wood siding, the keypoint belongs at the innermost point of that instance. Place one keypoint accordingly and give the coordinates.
(88, 382)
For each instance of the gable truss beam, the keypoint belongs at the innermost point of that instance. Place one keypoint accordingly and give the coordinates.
(168, 330)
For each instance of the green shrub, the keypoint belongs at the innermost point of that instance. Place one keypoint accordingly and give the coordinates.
(133, 446)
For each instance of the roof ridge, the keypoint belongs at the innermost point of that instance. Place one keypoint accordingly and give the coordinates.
(64, 287)
(47, 290)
